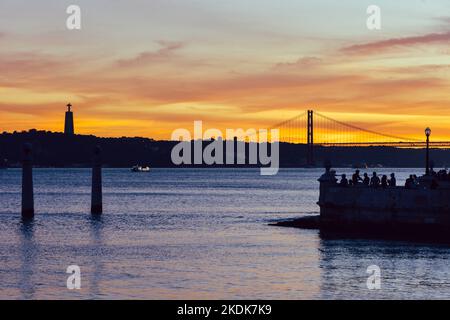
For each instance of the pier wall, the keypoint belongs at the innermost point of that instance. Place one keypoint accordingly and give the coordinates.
(390, 208)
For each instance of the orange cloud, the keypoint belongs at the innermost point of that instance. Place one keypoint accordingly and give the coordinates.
(305, 62)
(390, 44)
(168, 50)
(28, 64)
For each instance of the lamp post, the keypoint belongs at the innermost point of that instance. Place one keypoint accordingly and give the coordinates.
(428, 133)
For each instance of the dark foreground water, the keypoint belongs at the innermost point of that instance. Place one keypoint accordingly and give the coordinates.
(196, 234)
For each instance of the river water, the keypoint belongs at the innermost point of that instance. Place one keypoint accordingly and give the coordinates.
(197, 234)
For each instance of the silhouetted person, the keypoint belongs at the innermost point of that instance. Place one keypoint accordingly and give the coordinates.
(442, 174)
(415, 181)
(327, 165)
(392, 181)
(432, 172)
(366, 180)
(375, 180)
(344, 181)
(409, 183)
(333, 173)
(356, 178)
(384, 181)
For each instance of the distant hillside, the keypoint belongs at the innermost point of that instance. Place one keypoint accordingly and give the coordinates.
(58, 150)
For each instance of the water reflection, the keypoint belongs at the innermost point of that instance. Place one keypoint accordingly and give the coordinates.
(28, 250)
(406, 270)
(96, 233)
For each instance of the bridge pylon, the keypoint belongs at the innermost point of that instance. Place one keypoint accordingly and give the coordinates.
(310, 142)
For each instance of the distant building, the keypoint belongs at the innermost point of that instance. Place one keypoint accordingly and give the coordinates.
(68, 125)
(3, 163)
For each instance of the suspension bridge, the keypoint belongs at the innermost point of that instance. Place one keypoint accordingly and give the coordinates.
(316, 129)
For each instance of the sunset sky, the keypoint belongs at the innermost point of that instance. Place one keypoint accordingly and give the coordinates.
(145, 68)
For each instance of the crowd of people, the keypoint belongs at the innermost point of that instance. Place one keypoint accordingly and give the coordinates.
(412, 182)
(375, 181)
(441, 175)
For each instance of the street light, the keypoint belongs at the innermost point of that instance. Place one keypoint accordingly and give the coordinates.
(428, 133)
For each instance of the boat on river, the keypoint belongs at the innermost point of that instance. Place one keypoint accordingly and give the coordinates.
(138, 168)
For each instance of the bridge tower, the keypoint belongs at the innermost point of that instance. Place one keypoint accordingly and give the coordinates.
(310, 143)
(68, 125)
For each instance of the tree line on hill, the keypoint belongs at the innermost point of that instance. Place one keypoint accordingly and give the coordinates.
(59, 150)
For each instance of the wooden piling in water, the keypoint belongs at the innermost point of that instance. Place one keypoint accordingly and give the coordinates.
(96, 195)
(27, 183)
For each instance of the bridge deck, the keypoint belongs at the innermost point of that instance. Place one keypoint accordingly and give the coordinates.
(436, 144)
